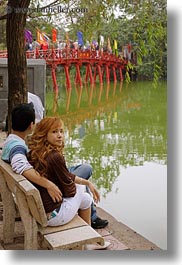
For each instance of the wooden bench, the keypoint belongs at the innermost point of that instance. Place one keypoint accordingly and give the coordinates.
(17, 190)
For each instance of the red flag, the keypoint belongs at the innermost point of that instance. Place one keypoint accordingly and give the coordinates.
(54, 35)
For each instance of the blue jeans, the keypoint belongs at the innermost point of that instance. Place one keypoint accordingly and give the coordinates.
(85, 171)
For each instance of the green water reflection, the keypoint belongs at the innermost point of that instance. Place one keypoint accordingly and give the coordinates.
(113, 125)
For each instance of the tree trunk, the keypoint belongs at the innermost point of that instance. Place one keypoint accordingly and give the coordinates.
(17, 66)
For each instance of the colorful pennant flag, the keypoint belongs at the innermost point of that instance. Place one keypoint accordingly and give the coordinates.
(28, 35)
(115, 45)
(80, 38)
(115, 48)
(109, 45)
(54, 35)
(101, 43)
(42, 37)
(67, 37)
(46, 38)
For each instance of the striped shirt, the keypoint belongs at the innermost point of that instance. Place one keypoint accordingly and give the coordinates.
(14, 152)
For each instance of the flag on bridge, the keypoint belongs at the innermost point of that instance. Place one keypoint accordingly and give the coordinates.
(46, 38)
(80, 38)
(101, 43)
(28, 35)
(67, 40)
(42, 37)
(54, 35)
(109, 45)
(115, 48)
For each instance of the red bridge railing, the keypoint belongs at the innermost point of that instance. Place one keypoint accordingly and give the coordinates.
(96, 63)
(74, 55)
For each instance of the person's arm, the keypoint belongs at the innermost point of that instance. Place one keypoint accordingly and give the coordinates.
(89, 184)
(53, 190)
(20, 165)
(57, 168)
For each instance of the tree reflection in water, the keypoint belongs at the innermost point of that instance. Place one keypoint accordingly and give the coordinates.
(113, 125)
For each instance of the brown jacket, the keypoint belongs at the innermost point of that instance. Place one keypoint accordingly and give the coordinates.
(58, 173)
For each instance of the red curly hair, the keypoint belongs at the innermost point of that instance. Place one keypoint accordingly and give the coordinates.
(39, 146)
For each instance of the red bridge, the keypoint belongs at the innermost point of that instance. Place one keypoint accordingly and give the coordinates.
(97, 63)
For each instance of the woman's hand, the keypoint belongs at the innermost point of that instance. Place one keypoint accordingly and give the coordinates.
(96, 195)
(54, 192)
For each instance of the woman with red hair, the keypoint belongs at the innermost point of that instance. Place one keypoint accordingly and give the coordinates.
(46, 155)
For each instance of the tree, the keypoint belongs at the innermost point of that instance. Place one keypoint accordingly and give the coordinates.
(17, 66)
(149, 30)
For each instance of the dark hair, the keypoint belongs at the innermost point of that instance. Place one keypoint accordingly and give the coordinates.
(22, 116)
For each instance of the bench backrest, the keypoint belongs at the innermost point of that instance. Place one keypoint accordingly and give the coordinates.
(18, 182)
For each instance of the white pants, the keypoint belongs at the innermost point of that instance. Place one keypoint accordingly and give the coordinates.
(70, 206)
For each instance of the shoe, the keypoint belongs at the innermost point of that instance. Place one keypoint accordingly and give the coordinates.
(97, 246)
(99, 223)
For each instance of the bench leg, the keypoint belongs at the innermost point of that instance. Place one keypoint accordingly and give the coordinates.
(30, 225)
(9, 212)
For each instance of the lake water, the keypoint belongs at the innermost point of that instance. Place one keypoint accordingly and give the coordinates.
(121, 130)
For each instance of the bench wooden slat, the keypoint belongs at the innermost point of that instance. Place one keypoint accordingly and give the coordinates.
(34, 202)
(9, 210)
(11, 178)
(30, 224)
(70, 239)
(77, 221)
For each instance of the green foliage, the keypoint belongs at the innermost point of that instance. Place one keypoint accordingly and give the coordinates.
(144, 24)
(2, 27)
